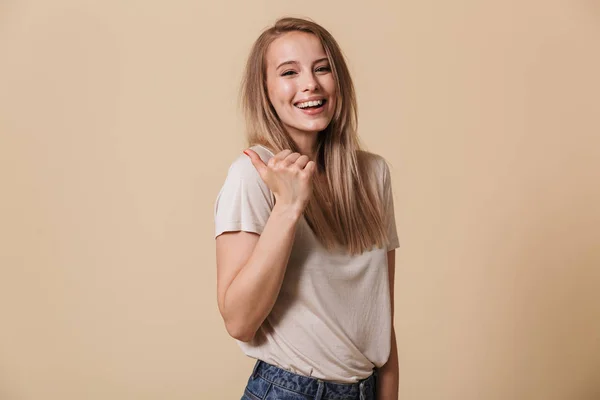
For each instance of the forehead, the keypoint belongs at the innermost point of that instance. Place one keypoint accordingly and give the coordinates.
(296, 46)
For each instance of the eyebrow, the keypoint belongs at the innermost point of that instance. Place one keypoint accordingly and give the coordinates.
(296, 62)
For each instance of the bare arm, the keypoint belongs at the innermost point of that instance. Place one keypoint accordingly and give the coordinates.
(251, 268)
(387, 386)
(248, 293)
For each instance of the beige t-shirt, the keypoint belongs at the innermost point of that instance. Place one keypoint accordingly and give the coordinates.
(332, 318)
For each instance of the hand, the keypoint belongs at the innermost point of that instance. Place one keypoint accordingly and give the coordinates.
(288, 175)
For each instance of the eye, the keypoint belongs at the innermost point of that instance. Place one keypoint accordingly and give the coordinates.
(288, 73)
(324, 68)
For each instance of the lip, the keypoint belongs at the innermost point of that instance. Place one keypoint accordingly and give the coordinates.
(310, 99)
(311, 111)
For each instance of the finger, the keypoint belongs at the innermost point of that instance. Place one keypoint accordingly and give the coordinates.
(310, 168)
(283, 153)
(277, 158)
(302, 160)
(289, 160)
(258, 163)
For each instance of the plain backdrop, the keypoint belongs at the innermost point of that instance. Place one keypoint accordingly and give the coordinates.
(118, 121)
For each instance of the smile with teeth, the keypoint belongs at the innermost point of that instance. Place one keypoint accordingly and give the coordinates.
(314, 103)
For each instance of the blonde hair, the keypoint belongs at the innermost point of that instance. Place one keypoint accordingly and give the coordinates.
(354, 220)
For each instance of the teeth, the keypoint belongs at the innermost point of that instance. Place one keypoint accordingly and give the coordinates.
(310, 103)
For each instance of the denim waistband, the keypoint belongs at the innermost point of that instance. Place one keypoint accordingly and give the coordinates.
(317, 388)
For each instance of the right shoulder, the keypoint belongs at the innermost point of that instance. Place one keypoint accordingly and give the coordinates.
(242, 166)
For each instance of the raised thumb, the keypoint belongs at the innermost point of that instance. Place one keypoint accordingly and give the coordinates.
(256, 161)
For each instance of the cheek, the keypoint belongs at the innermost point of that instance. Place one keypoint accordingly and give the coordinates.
(329, 85)
(282, 92)
(333, 103)
(331, 90)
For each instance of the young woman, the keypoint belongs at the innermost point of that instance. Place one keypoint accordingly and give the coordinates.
(305, 230)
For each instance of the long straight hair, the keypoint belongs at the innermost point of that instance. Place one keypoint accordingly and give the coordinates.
(354, 219)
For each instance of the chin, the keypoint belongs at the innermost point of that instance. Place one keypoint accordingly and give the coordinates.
(315, 127)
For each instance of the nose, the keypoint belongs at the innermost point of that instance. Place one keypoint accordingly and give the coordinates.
(310, 83)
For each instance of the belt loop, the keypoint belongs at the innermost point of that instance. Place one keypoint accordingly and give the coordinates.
(255, 370)
(320, 390)
(361, 388)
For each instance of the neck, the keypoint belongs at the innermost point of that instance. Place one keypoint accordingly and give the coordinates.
(306, 143)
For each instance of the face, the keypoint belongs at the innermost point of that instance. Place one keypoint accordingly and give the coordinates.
(300, 83)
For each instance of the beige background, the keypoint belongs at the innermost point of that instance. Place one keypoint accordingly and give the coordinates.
(118, 121)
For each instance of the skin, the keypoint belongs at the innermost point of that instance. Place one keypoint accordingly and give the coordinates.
(297, 69)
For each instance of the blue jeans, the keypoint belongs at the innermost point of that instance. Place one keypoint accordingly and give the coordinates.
(269, 382)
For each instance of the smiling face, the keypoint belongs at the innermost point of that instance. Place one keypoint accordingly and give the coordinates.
(300, 83)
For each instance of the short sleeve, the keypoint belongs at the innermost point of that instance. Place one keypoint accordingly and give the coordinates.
(388, 202)
(244, 202)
